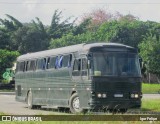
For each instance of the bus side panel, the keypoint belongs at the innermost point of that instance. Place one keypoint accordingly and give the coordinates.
(59, 85)
(20, 87)
(38, 87)
(84, 93)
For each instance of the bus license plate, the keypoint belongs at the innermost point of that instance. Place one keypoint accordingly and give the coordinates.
(118, 95)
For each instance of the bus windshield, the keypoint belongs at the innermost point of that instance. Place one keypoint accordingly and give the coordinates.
(116, 64)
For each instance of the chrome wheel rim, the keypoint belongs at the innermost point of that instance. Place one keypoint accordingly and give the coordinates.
(76, 104)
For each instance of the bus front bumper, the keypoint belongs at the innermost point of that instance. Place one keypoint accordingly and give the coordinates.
(118, 104)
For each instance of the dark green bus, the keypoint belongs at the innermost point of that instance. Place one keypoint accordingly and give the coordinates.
(97, 76)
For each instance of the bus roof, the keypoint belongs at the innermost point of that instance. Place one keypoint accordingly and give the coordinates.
(67, 49)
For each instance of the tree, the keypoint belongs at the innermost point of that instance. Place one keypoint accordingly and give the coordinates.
(126, 32)
(58, 28)
(82, 27)
(5, 42)
(98, 16)
(7, 59)
(12, 24)
(71, 39)
(150, 53)
(30, 39)
(7, 29)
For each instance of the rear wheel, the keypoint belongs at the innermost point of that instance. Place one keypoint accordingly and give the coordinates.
(74, 104)
(30, 101)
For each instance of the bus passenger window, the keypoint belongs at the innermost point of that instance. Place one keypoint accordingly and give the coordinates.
(70, 60)
(44, 64)
(52, 62)
(56, 63)
(48, 63)
(22, 66)
(76, 67)
(32, 65)
(60, 62)
(27, 66)
(66, 60)
(39, 64)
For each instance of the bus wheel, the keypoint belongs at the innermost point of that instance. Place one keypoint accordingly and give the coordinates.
(37, 106)
(74, 104)
(123, 110)
(30, 100)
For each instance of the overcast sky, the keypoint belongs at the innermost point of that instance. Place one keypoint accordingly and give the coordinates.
(26, 10)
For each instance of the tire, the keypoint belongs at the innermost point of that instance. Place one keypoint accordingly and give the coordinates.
(74, 104)
(37, 106)
(30, 100)
(123, 110)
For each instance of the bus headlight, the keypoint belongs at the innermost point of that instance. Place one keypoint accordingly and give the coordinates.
(134, 95)
(104, 95)
(99, 95)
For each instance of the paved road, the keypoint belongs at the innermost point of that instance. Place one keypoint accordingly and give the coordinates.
(151, 96)
(10, 106)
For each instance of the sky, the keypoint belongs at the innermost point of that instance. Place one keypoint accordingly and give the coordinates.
(27, 10)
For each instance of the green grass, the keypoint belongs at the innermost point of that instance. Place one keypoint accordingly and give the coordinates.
(5, 90)
(2, 113)
(151, 105)
(150, 88)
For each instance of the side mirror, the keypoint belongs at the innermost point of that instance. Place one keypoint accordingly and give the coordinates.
(89, 56)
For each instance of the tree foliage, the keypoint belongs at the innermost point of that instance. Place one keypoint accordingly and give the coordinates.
(58, 28)
(126, 32)
(6, 60)
(129, 33)
(70, 39)
(30, 39)
(150, 52)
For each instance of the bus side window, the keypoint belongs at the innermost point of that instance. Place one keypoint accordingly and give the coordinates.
(39, 64)
(60, 62)
(27, 66)
(44, 64)
(70, 60)
(32, 65)
(56, 63)
(21, 66)
(66, 60)
(76, 67)
(48, 63)
(52, 62)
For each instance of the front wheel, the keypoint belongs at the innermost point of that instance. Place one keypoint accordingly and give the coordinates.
(74, 104)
